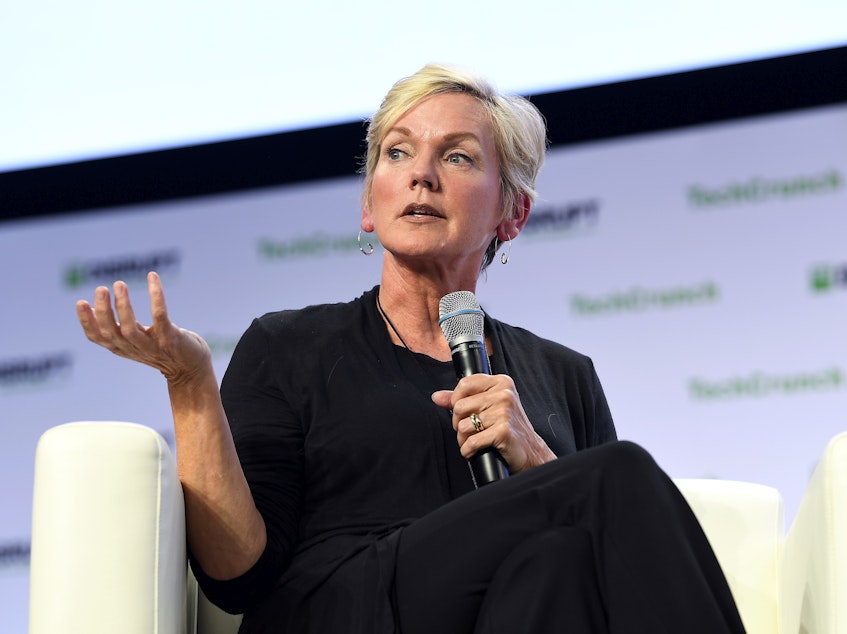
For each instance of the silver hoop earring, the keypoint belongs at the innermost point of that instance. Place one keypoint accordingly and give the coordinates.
(365, 250)
(504, 257)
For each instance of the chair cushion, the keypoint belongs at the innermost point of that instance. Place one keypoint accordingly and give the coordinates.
(744, 523)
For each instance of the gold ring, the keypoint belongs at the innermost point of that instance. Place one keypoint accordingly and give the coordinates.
(477, 422)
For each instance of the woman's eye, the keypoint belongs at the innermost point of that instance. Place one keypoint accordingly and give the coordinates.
(458, 158)
(394, 154)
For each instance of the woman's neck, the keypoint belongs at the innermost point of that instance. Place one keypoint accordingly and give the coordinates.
(412, 328)
(409, 304)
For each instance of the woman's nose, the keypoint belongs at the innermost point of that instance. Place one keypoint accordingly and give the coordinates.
(424, 175)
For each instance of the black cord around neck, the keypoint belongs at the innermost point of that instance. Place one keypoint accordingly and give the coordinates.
(390, 323)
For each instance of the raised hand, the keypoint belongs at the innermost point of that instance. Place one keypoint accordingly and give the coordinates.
(178, 354)
(225, 531)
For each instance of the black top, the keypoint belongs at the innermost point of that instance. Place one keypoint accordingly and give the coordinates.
(342, 446)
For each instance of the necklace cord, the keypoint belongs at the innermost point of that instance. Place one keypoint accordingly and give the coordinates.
(389, 322)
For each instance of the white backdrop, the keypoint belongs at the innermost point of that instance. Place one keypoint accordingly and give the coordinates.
(704, 270)
(91, 78)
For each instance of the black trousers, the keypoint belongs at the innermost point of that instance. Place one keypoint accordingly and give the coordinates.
(601, 541)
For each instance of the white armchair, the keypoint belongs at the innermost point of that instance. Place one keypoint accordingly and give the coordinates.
(108, 537)
(108, 541)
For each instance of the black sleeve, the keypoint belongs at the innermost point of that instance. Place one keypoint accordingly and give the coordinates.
(268, 435)
(602, 425)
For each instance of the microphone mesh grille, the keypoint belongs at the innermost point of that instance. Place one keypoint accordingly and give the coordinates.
(469, 319)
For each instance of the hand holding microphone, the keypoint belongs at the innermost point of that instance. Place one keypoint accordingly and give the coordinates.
(463, 324)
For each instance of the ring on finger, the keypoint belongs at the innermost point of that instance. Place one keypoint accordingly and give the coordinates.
(477, 421)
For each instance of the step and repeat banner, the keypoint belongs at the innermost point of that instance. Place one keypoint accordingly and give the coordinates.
(704, 270)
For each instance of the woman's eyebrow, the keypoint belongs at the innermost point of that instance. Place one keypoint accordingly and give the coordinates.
(450, 137)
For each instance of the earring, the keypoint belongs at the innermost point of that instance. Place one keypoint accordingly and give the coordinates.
(504, 257)
(365, 251)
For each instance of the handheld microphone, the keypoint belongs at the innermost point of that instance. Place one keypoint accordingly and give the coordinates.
(463, 324)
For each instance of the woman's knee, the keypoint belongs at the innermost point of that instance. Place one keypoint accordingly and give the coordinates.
(626, 458)
(629, 469)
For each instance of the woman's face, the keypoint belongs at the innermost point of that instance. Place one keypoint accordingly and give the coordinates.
(435, 195)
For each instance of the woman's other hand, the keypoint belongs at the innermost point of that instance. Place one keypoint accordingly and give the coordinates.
(177, 353)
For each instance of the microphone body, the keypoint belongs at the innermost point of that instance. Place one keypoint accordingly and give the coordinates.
(462, 322)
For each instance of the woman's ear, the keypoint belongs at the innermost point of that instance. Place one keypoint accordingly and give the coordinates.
(366, 224)
(511, 227)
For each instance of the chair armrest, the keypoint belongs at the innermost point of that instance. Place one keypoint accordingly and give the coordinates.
(108, 532)
(744, 523)
(813, 568)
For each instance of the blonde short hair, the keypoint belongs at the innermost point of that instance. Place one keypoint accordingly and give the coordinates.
(520, 132)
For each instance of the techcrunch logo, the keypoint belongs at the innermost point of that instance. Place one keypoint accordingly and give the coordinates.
(16, 372)
(828, 277)
(562, 217)
(756, 190)
(641, 299)
(125, 268)
(762, 384)
(311, 246)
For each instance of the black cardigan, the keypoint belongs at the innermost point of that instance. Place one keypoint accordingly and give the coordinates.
(342, 446)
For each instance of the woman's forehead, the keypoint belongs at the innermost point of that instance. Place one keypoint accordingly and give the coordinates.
(445, 114)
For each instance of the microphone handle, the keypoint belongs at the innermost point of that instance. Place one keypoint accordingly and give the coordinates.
(470, 357)
(487, 466)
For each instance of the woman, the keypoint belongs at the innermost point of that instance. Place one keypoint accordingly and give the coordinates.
(327, 487)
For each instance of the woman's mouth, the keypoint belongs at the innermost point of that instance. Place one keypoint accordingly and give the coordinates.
(418, 209)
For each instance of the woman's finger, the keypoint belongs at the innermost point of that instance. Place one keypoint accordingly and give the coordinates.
(123, 306)
(158, 306)
(106, 322)
(85, 315)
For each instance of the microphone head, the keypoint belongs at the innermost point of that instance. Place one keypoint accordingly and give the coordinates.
(461, 317)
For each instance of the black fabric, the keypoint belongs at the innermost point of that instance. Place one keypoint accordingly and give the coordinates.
(343, 449)
(598, 541)
(544, 582)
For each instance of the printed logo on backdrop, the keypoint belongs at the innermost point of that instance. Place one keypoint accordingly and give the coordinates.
(312, 246)
(36, 371)
(757, 385)
(128, 268)
(640, 299)
(565, 218)
(14, 554)
(758, 190)
(829, 277)
(568, 218)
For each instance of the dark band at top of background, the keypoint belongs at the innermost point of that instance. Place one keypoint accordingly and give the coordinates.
(735, 91)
